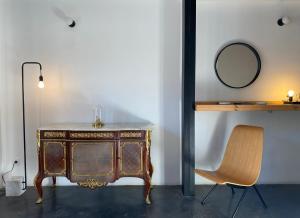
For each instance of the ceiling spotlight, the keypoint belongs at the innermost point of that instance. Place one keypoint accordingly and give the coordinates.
(283, 21)
(71, 23)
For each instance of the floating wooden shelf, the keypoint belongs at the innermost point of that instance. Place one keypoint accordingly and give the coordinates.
(245, 106)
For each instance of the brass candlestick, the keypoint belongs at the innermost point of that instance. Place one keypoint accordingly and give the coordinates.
(98, 124)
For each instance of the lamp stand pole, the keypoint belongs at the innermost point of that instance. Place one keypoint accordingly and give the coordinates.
(24, 124)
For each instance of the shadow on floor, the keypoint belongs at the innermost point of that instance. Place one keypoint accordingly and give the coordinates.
(167, 201)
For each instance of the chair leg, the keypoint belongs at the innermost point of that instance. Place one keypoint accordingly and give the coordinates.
(232, 191)
(260, 197)
(238, 205)
(205, 197)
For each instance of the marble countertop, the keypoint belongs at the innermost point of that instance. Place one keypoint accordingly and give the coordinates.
(89, 127)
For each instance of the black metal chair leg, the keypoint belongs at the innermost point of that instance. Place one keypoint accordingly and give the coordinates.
(232, 191)
(205, 197)
(238, 205)
(260, 197)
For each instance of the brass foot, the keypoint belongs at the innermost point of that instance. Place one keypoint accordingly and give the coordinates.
(148, 200)
(39, 200)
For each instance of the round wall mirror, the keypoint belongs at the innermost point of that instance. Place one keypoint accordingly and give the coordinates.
(237, 65)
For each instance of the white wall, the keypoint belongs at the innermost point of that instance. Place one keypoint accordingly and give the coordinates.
(1, 95)
(220, 22)
(125, 55)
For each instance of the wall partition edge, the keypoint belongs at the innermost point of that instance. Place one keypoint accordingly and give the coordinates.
(188, 97)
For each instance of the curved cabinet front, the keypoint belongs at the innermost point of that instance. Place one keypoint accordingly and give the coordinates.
(94, 158)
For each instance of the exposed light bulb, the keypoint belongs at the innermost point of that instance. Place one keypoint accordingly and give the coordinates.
(291, 93)
(41, 84)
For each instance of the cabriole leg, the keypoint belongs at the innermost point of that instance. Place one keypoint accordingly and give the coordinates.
(38, 185)
(147, 189)
(54, 180)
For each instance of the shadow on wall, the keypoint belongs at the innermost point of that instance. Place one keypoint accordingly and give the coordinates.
(216, 146)
(60, 14)
(170, 91)
(111, 112)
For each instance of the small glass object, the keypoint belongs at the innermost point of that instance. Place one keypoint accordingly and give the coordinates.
(97, 117)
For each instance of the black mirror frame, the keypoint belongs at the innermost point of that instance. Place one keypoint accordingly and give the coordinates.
(257, 58)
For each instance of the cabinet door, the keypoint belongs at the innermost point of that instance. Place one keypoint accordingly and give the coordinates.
(132, 158)
(54, 155)
(93, 160)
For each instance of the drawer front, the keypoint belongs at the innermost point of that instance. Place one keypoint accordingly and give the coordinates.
(92, 135)
(131, 158)
(93, 160)
(54, 156)
(53, 134)
(133, 135)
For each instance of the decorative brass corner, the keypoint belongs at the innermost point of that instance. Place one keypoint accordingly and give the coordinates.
(38, 137)
(148, 138)
(148, 145)
(92, 184)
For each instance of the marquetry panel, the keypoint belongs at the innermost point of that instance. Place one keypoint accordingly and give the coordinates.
(54, 158)
(131, 158)
(92, 160)
(92, 135)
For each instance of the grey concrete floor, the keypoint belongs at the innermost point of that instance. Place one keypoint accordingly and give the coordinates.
(167, 201)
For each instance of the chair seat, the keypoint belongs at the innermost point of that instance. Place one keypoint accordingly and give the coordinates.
(219, 178)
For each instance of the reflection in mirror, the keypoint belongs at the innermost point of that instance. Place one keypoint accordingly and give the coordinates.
(237, 65)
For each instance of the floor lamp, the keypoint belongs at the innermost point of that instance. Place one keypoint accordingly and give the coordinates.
(40, 85)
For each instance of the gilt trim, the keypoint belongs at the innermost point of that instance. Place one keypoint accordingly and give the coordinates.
(92, 184)
(54, 134)
(88, 135)
(131, 134)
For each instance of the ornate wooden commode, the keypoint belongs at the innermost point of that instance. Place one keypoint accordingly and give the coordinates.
(94, 157)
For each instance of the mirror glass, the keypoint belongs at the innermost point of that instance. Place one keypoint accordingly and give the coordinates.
(237, 65)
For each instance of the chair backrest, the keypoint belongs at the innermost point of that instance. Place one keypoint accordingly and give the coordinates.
(243, 155)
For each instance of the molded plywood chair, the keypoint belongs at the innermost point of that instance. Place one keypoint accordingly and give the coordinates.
(241, 164)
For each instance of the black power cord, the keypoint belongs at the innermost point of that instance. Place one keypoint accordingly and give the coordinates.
(13, 166)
